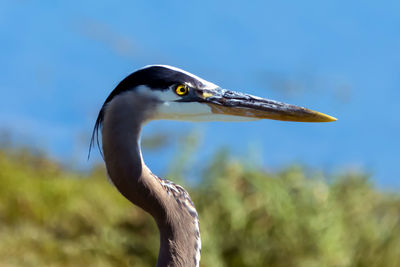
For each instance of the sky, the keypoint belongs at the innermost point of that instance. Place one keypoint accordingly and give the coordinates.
(59, 60)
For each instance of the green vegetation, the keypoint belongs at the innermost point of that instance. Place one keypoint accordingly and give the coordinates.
(50, 216)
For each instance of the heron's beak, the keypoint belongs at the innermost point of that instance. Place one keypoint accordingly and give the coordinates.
(233, 103)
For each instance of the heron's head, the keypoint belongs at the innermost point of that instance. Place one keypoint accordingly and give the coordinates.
(179, 95)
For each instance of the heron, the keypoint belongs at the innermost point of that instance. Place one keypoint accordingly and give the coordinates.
(157, 92)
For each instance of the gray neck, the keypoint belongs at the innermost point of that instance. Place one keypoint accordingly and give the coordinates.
(168, 203)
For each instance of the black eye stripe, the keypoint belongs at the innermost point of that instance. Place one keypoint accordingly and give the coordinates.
(155, 77)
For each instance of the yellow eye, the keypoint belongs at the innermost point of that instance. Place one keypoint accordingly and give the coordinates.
(181, 90)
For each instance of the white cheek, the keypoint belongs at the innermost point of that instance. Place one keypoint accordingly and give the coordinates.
(182, 110)
(163, 95)
(192, 111)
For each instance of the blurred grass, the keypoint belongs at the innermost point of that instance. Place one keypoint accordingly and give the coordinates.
(51, 216)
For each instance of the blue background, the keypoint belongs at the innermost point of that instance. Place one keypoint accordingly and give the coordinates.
(59, 61)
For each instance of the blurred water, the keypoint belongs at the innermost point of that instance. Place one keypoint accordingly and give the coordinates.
(59, 61)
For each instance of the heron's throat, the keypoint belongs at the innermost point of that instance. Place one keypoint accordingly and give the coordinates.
(168, 203)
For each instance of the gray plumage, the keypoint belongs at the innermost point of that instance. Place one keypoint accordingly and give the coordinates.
(164, 92)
